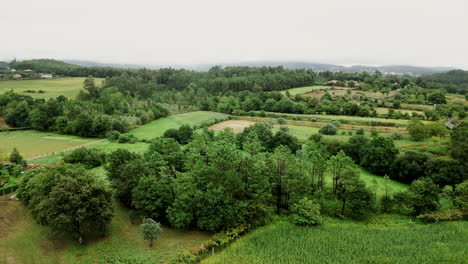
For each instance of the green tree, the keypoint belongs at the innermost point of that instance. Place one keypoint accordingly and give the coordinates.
(424, 195)
(459, 144)
(328, 129)
(16, 158)
(68, 199)
(306, 212)
(150, 230)
(379, 155)
(418, 130)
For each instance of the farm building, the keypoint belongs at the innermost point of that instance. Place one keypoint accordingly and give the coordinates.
(45, 75)
(28, 70)
(16, 76)
(12, 70)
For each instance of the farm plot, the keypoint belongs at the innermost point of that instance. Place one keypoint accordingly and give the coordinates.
(68, 87)
(31, 143)
(158, 127)
(303, 90)
(340, 91)
(237, 126)
(402, 241)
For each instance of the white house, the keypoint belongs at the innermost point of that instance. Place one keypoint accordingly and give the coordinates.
(45, 75)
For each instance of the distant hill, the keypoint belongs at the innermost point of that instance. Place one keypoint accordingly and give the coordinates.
(386, 69)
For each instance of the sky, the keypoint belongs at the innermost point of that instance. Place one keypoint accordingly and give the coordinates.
(346, 32)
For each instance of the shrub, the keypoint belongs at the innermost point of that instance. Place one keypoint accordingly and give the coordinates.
(150, 229)
(360, 131)
(113, 135)
(127, 138)
(306, 212)
(336, 123)
(374, 133)
(328, 129)
(316, 138)
(90, 157)
(262, 114)
(284, 128)
(281, 121)
(396, 136)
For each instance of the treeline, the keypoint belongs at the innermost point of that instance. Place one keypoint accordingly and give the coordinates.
(455, 81)
(96, 112)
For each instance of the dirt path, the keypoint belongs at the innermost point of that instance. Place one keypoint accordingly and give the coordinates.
(65, 150)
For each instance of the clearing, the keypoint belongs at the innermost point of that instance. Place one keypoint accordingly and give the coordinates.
(68, 87)
(158, 127)
(236, 125)
(32, 143)
(24, 241)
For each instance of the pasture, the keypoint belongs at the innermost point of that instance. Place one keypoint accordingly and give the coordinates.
(339, 241)
(303, 90)
(31, 143)
(158, 127)
(68, 87)
(340, 91)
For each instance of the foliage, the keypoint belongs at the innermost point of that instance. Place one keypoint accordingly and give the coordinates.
(328, 129)
(68, 199)
(16, 158)
(379, 154)
(150, 230)
(91, 157)
(424, 195)
(306, 212)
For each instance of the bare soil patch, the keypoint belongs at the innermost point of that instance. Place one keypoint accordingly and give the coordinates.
(236, 125)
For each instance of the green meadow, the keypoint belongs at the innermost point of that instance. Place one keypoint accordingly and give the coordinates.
(158, 127)
(32, 143)
(68, 87)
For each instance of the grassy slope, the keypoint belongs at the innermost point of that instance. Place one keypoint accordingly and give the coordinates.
(28, 242)
(303, 90)
(31, 143)
(68, 87)
(350, 242)
(158, 127)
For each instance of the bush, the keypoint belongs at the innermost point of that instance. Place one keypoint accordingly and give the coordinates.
(113, 135)
(281, 121)
(284, 128)
(90, 157)
(336, 123)
(360, 131)
(316, 138)
(127, 138)
(396, 136)
(306, 212)
(328, 129)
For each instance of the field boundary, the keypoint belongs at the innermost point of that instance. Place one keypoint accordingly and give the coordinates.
(65, 150)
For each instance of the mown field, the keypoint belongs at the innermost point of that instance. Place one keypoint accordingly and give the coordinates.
(303, 90)
(158, 127)
(31, 143)
(338, 241)
(68, 87)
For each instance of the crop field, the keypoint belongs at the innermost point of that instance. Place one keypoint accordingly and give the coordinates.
(158, 127)
(338, 241)
(24, 241)
(68, 87)
(31, 143)
(339, 91)
(384, 110)
(237, 126)
(303, 90)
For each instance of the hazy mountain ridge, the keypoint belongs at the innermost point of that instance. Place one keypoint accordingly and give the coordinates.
(386, 69)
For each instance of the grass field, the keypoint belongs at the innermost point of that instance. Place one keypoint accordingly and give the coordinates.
(384, 110)
(24, 241)
(31, 143)
(158, 127)
(68, 87)
(303, 90)
(237, 126)
(106, 146)
(338, 241)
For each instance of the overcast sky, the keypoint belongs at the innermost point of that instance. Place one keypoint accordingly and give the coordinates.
(374, 32)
